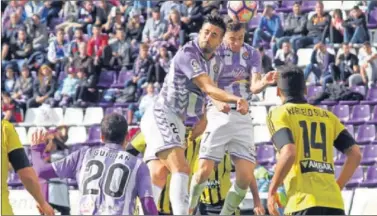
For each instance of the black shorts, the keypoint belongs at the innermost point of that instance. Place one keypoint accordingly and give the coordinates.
(320, 211)
(205, 209)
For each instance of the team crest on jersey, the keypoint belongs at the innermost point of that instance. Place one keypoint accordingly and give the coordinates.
(245, 55)
(216, 68)
(195, 65)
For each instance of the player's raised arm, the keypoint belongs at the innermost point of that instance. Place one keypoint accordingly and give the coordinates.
(347, 145)
(64, 168)
(144, 190)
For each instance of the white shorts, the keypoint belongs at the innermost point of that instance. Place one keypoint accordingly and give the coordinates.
(162, 130)
(232, 132)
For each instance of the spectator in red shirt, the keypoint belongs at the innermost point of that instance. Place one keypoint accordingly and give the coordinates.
(8, 107)
(97, 43)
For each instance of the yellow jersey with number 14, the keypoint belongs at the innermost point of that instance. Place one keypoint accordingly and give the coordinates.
(314, 131)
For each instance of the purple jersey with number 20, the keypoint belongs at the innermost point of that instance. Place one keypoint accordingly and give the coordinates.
(109, 179)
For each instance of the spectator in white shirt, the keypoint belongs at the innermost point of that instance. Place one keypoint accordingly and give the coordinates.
(285, 55)
(145, 102)
(368, 67)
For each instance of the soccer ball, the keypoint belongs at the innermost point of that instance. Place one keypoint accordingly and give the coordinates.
(242, 11)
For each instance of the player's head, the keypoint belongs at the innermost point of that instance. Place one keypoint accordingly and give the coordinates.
(235, 35)
(114, 129)
(290, 82)
(346, 48)
(211, 34)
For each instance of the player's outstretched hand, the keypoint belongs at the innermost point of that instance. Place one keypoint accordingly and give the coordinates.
(259, 209)
(45, 209)
(38, 137)
(270, 78)
(242, 106)
(272, 204)
(222, 107)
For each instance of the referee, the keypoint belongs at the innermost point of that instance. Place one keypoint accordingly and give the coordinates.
(13, 152)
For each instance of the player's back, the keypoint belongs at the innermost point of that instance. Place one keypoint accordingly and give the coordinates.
(311, 181)
(109, 181)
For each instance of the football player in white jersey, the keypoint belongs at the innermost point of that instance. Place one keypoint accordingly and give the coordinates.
(226, 129)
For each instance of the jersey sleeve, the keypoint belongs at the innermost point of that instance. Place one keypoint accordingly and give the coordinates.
(144, 187)
(255, 62)
(68, 166)
(138, 142)
(189, 64)
(16, 153)
(343, 139)
(279, 127)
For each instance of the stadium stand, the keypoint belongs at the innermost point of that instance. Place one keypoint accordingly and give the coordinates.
(85, 85)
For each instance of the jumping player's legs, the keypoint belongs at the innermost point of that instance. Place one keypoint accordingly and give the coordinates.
(165, 133)
(212, 149)
(174, 159)
(159, 174)
(242, 150)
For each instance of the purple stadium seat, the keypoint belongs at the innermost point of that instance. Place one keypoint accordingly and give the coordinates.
(286, 6)
(356, 179)
(360, 114)
(122, 78)
(106, 79)
(94, 135)
(254, 22)
(313, 91)
(114, 109)
(371, 179)
(371, 98)
(329, 102)
(372, 22)
(337, 170)
(308, 6)
(14, 180)
(369, 155)
(361, 89)
(373, 119)
(342, 111)
(341, 159)
(350, 129)
(365, 134)
(265, 154)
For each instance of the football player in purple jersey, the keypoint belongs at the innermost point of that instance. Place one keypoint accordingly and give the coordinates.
(109, 177)
(231, 131)
(190, 78)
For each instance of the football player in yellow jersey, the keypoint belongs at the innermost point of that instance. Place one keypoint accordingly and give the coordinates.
(12, 152)
(304, 136)
(214, 194)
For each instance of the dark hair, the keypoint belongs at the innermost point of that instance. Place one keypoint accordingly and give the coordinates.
(60, 30)
(291, 80)
(320, 2)
(5, 94)
(298, 3)
(367, 43)
(97, 26)
(216, 20)
(345, 44)
(339, 12)
(114, 128)
(261, 49)
(156, 9)
(78, 28)
(234, 26)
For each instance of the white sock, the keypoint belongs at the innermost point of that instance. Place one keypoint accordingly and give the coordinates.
(196, 190)
(156, 190)
(178, 193)
(233, 200)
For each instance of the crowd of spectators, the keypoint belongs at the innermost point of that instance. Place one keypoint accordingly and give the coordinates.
(54, 52)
